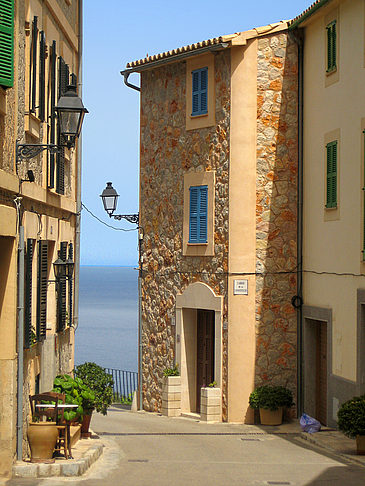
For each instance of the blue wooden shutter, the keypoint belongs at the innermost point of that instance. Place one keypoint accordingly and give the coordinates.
(7, 43)
(331, 175)
(200, 91)
(198, 216)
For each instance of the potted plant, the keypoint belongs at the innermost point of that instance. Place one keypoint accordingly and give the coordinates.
(270, 401)
(42, 437)
(351, 421)
(171, 392)
(211, 403)
(101, 384)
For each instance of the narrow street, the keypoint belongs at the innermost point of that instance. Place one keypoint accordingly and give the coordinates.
(148, 449)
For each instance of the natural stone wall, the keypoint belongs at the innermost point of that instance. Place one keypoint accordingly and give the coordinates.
(276, 211)
(168, 151)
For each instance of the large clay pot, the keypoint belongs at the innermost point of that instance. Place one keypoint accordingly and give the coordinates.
(360, 445)
(42, 438)
(271, 417)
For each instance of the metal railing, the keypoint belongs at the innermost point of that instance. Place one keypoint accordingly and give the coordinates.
(125, 383)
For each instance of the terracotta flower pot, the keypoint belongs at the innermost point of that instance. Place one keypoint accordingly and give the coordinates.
(271, 417)
(360, 445)
(42, 438)
(86, 424)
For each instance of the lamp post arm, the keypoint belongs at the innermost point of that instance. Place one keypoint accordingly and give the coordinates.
(26, 151)
(131, 218)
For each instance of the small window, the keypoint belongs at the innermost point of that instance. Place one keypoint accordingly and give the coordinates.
(331, 174)
(198, 216)
(200, 91)
(331, 46)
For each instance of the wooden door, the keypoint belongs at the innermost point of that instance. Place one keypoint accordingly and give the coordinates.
(205, 351)
(321, 373)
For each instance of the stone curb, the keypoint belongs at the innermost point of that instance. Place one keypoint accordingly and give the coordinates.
(322, 444)
(22, 469)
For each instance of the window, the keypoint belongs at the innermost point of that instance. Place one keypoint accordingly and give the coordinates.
(28, 330)
(42, 287)
(198, 214)
(200, 91)
(7, 43)
(331, 201)
(331, 46)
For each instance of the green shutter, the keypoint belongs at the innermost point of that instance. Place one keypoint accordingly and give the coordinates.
(331, 46)
(42, 287)
(331, 201)
(28, 295)
(61, 295)
(6, 43)
(42, 76)
(70, 286)
(363, 197)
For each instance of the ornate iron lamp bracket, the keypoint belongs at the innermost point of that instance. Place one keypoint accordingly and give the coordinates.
(131, 218)
(26, 151)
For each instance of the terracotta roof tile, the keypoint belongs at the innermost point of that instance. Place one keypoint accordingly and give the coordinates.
(307, 12)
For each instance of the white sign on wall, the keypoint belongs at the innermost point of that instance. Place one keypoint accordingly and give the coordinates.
(240, 287)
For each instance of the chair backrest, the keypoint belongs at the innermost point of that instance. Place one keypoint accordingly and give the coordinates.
(44, 413)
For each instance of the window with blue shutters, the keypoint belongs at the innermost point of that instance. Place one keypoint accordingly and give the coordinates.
(200, 91)
(198, 215)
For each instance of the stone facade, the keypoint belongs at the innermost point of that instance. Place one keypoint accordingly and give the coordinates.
(276, 211)
(168, 151)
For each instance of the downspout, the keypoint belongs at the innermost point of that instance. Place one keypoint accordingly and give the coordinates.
(78, 181)
(20, 285)
(299, 39)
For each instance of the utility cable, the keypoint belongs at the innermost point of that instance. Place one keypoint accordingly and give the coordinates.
(106, 224)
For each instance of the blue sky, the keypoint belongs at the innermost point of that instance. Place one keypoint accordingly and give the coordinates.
(122, 32)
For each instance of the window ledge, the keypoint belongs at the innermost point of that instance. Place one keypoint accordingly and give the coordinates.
(331, 71)
(198, 244)
(200, 115)
(32, 125)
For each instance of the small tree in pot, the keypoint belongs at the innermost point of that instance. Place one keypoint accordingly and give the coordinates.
(270, 400)
(351, 421)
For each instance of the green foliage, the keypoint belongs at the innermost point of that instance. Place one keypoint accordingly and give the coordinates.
(172, 371)
(351, 417)
(100, 382)
(77, 393)
(123, 399)
(271, 397)
(213, 384)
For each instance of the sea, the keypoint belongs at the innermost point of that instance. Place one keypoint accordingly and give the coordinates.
(108, 317)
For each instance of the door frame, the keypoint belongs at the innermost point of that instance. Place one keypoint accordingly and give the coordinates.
(196, 296)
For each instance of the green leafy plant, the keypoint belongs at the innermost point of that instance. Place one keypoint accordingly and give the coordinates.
(351, 417)
(76, 393)
(271, 397)
(213, 384)
(100, 382)
(172, 371)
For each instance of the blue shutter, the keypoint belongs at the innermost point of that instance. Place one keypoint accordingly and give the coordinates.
(198, 218)
(200, 91)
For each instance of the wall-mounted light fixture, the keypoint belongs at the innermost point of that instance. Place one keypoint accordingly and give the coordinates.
(109, 197)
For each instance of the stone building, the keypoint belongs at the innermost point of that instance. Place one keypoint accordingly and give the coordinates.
(333, 315)
(218, 211)
(39, 56)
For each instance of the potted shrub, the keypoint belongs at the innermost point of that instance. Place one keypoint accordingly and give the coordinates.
(351, 421)
(101, 384)
(171, 392)
(211, 403)
(270, 401)
(76, 393)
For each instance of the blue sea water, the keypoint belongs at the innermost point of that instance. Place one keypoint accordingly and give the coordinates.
(108, 322)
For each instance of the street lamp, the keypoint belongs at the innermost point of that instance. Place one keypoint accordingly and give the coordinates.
(109, 197)
(70, 113)
(59, 267)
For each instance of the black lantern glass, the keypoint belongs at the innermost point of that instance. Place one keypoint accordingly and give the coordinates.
(59, 267)
(70, 264)
(110, 198)
(70, 112)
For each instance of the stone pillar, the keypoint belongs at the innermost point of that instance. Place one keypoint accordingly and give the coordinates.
(211, 404)
(171, 396)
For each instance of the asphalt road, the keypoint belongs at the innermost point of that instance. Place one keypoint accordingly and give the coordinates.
(143, 449)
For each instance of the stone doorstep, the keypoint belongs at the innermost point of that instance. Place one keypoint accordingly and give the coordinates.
(62, 467)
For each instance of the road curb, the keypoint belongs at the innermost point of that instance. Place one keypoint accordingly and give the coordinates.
(69, 468)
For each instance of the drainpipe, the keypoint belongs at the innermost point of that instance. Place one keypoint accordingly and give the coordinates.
(299, 39)
(78, 182)
(20, 286)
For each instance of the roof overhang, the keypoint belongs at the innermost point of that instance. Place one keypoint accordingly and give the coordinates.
(297, 21)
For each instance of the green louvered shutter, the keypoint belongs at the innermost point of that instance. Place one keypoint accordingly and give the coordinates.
(63, 81)
(70, 286)
(61, 297)
(331, 174)
(42, 76)
(28, 295)
(363, 198)
(331, 46)
(51, 174)
(7, 43)
(33, 66)
(42, 287)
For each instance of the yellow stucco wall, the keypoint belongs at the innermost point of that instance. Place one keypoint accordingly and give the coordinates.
(242, 230)
(333, 237)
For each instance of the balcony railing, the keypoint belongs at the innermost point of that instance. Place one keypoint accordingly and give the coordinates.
(125, 383)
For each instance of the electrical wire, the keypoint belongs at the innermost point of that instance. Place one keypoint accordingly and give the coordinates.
(106, 224)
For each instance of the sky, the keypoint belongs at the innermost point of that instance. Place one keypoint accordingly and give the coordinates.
(113, 36)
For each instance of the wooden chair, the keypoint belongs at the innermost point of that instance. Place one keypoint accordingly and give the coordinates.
(43, 414)
(62, 441)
